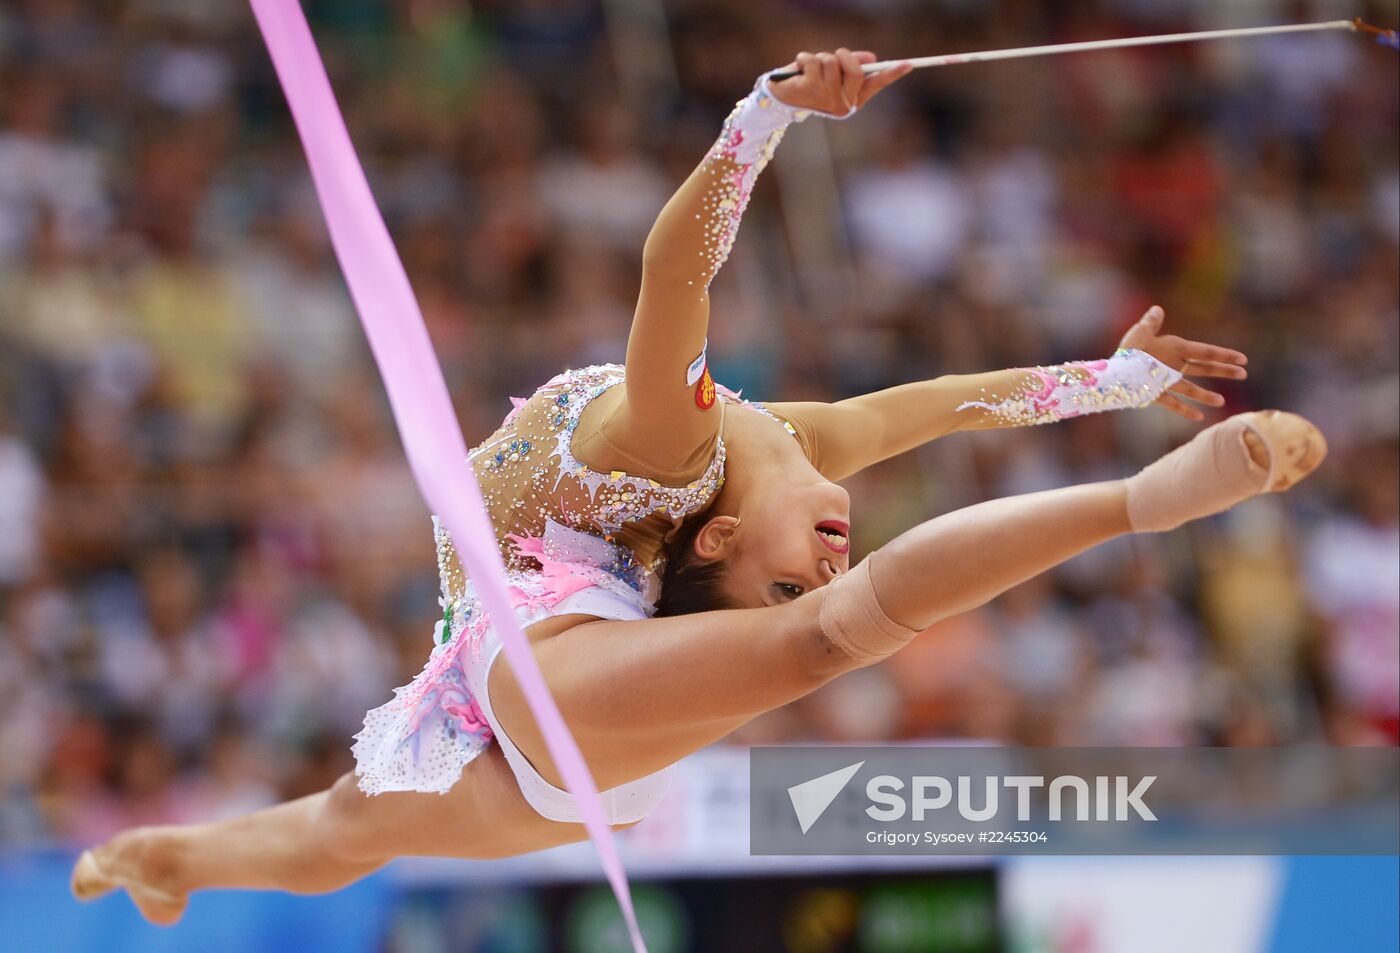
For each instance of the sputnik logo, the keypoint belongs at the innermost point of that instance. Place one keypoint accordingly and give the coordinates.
(810, 799)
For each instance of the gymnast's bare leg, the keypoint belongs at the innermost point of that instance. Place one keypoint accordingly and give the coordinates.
(643, 694)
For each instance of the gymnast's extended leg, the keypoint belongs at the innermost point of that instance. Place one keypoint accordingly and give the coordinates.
(642, 695)
(321, 842)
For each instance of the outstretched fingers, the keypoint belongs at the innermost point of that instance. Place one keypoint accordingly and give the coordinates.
(1179, 407)
(1152, 319)
(1193, 391)
(1228, 361)
(1194, 359)
(1203, 361)
(1233, 372)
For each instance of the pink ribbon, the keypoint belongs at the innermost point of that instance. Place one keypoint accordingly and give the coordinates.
(427, 424)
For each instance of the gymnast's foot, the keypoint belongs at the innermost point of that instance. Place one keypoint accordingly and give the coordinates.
(1262, 452)
(131, 862)
(1300, 447)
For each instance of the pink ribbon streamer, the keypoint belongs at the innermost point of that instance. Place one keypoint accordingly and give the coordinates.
(427, 424)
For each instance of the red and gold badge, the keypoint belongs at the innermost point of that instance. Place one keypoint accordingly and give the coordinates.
(705, 391)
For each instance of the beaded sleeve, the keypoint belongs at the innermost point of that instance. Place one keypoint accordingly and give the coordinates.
(743, 150)
(1130, 378)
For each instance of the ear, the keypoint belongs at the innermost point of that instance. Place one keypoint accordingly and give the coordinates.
(716, 537)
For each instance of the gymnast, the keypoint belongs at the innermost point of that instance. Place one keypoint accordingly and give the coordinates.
(679, 559)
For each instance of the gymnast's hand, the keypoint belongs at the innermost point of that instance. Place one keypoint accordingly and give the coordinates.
(833, 83)
(1192, 358)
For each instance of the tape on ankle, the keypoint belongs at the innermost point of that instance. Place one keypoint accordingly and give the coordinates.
(852, 619)
(1208, 475)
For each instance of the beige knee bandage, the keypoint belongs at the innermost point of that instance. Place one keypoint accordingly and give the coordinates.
(1206, 476)
(852, 619)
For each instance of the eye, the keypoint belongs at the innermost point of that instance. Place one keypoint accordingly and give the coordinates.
(791, 590)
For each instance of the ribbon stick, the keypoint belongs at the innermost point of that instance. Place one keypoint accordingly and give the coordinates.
(1386, 37)
(427, 424)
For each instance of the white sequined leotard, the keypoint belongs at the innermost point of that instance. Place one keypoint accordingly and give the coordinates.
(577, 540)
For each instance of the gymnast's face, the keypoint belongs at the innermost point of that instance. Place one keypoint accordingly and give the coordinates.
(784, 542)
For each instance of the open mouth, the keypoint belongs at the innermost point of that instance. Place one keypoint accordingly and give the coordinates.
(835, 535)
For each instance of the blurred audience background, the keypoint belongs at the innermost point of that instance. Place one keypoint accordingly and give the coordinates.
(213, 559)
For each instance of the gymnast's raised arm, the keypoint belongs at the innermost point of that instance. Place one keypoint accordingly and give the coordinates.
(845, 437)
(660, 422)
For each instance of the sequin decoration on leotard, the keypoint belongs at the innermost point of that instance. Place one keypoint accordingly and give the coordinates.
(529, 474)
(618, 497)
(554, 516)
(737, 397)
(1130, 378)
(420, 740)
(786, 425)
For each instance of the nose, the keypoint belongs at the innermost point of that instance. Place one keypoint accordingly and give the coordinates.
(827, 571)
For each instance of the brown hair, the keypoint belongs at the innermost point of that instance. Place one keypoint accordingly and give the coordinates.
(690, 584)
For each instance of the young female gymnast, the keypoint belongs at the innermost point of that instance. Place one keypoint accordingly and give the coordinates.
(679, 560)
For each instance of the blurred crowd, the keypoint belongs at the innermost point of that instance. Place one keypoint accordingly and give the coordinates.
(213, 559)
